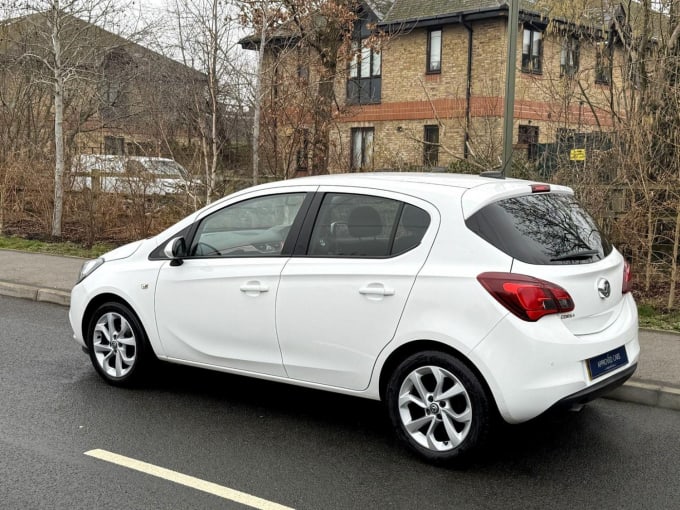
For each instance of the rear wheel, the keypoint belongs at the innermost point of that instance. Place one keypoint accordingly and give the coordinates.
(438, 406)
(119, 349)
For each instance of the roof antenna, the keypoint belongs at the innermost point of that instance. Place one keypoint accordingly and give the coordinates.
(498, 173)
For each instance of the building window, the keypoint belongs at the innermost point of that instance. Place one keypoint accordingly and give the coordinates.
(114, 145)
(302, 65)
(431, 146)
(362, 148)
(365, 83)
(434, 51)
(532, 50)
(603, 72)
(302, 154)
(528, 136)
(569, 57)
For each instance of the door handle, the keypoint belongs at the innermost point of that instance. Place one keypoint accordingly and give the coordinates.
(376, 289)
(254, 287)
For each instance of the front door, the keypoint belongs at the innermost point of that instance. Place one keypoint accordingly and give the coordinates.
(218, 307)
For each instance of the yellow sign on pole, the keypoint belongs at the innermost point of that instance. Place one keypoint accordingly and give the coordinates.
(577, 155)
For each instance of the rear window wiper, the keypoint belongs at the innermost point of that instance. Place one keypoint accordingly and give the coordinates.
(576, 255)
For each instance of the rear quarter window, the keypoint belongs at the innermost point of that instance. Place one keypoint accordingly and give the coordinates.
(542, 229)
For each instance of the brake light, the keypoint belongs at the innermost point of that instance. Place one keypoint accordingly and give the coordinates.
(527, 297)
(540, 188)
(627, 278)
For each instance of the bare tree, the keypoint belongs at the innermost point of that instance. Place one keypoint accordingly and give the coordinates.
(206, 32)
(59, 37)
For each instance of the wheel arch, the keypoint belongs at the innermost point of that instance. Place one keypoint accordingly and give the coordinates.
(416, 346)
(99, 300)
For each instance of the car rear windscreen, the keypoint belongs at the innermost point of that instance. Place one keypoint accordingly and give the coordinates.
(546, 228)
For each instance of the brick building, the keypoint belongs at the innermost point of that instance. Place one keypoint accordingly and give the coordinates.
(431, 91)
(121, 98)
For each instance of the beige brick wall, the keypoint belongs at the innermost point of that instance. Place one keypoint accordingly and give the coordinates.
(412, 99)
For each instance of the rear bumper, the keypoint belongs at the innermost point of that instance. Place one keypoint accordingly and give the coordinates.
(596, 390)
(531, 367)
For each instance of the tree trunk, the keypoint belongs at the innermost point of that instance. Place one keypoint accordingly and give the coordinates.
(58, 127)
(258, 100)
(320, 145)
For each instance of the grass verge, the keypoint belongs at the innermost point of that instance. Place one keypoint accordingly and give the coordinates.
(654, 318)
(65, 248)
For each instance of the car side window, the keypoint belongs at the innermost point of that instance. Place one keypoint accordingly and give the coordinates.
(413, 224)
(350, 225)
(253, 228)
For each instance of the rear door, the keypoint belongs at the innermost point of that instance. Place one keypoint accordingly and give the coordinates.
(340, 300)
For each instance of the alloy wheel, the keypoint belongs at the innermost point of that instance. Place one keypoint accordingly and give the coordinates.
(114, 344)
(435, 408)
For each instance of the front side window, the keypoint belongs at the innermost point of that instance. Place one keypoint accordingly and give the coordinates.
(532, 50)
(364, 85)
(434, 51)
(253, 228)
(366, 226)
(362, 148)
(569, 57)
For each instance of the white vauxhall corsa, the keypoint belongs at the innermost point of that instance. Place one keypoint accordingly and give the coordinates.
(452, 298)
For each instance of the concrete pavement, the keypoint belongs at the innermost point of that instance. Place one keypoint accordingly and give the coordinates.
(49, 278)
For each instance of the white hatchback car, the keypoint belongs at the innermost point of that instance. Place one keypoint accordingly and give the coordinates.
(452, 298)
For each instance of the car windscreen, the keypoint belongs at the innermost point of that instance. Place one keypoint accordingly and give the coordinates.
(545, 228)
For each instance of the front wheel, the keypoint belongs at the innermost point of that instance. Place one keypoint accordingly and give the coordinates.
(117, 343)
(438, 406)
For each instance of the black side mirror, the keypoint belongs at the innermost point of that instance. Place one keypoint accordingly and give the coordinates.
(176, 249)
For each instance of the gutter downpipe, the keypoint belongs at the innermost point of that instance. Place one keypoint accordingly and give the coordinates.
(468, 90)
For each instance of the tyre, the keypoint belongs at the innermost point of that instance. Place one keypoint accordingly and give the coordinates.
(118, 347)
(438, 407)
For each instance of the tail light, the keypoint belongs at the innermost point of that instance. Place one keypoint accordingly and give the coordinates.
(527, 297)
(627, 278)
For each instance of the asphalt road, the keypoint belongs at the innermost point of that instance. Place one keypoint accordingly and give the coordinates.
(291, 446)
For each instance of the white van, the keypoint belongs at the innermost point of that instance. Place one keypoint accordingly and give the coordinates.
(131, 175)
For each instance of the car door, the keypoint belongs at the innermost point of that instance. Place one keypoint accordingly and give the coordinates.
(218, 307)
(340, 301)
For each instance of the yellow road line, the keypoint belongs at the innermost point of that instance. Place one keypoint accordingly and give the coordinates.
(186, 480)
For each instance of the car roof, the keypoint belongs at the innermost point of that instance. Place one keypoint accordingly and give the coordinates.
(380, 179)
(476, 190)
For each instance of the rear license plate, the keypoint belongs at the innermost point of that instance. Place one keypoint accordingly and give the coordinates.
(605, 363)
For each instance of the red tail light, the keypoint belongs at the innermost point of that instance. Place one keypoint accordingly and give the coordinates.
(627, 278)
(527, 297)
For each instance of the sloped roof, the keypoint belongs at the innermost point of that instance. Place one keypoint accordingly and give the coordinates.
(410, 10)
(379, 7)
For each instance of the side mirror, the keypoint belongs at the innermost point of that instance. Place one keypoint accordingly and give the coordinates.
(176, 249)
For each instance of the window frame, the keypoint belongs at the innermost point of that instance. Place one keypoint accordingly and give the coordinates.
(529, 59)
(603, 70)
(430, 147)
(365, 164)
(362, 89)
(570, 48)
(429, 69)
(528, 134)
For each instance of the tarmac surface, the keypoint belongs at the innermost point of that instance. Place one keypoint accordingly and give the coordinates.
(49, 278)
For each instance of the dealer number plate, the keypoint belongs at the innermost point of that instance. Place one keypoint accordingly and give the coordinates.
(605, 363)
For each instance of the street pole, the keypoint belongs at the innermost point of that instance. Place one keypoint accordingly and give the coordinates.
(513, 22)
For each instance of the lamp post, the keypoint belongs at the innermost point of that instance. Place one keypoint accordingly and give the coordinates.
(513, 21)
